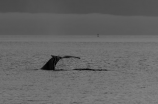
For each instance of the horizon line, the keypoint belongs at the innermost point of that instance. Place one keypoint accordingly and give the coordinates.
(78, 14)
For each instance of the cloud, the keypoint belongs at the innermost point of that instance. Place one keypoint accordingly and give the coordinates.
(121, 7)
(76, 24)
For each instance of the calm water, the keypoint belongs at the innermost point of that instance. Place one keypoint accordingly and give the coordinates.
(132, 71)
(81, 38)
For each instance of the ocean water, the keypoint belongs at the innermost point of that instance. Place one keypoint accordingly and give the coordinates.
(131, 75)
(80, 38)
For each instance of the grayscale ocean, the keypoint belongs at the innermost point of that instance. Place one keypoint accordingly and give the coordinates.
(129, 70)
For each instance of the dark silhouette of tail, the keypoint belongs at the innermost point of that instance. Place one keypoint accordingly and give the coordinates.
(51, 64)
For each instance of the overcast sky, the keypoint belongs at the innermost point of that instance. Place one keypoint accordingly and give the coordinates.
(118, 7)
(79, 17)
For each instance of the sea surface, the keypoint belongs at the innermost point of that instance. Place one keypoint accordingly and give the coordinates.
(129, 71)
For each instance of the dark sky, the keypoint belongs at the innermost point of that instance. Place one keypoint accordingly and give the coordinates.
(116, 7)
(79, 17)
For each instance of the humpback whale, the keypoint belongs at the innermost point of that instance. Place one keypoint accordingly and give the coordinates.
(51, 64)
